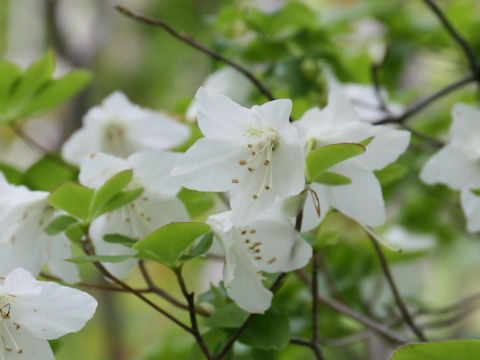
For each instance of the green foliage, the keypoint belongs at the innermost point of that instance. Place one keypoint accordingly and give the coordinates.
(73, 198)
(196, 202)
(228, 316)
(331, 178)
(60, 224)
(169, 242)
(391, 173)
(119, 239)
(109, 190)
(34, 91)
(12, 175)
(319, 160)
(47, 173)
(201, 248)
(441, 350)
(99, 258)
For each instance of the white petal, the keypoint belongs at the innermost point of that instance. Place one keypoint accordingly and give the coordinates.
(339, 109)
(32, 347)
(450, 167)
(19, 282)
(465, 122)
(310, 216)
(246, 287)
(471, 208)
(288, 169)
(276, 113)
(219, 116)
(82, 142)
(152, 169)
(362, 200)
(56, 311)
(98, 168)
(57, 253)
(210, 165)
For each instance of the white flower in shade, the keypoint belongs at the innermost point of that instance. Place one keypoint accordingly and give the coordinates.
(121, 128)
(157, 206)
(266, 244)
(362, 199)
(365, 101)
(23, 243)
(32, 312)
(254, 153)
(226, 81)
(456, 164)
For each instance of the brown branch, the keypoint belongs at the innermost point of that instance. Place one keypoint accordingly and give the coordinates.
(195, 44)
(467, 49)
(351, 313)
(190, 297)
(396, 294)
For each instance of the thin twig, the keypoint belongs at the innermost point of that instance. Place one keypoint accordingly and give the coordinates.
(419, 105)
(467, 49)
(351, 313)
(194, 43)
(396, 294)
(190, 297)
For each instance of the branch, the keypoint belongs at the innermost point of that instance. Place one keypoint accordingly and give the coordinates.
(195, 44)
(190, 297)
(391, 282)
(346, 310)
(467, 49)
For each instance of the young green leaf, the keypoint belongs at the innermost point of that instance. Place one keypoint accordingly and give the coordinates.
(102, 258)
(60, 224)
(201, 248)
(121, 199)
(171, 240)
(76, 232)
(10, 74)
(270, 331)
(119, 239)
(325, 157)
(73, 198)
(331, 178)
(228, 316)
(475, 191)
(12, 175)
(46, 174)
(112, 187)
(391, 173)
(440, 350)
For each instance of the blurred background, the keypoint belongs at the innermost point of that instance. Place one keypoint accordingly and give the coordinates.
(287, 44)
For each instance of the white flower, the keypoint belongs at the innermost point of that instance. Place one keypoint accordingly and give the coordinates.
(226, 81)
(362, 199)
(267, 244)
(254, 153)
(456, 164)
(121, 128)
(23, 243)
(365, 101)
(32, 312)
(157, 206)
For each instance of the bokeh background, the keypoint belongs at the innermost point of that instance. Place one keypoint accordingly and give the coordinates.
(287, 44)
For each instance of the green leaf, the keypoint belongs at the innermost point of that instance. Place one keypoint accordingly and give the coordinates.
(119, 239)
(76, 231)
(201, 248)
(12, 175)
(103, 258)
(228, 316)
(441, 350)
(60, 224)
(73, 198)
(171, 240)
(196, 202)
(391, 173)
(475, 191)
(112, 187)
(270, 331)
(121, 199)
(57, 92)
(331, 178)
(325, 157)
(367, 141)
(36, 75)
(10, 74)
(46, 174)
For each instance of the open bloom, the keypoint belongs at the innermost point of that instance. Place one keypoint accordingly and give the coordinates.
(362, 199)
(268, 244)
(32, 312)
(254, 153)
(121, 128)
(157, 206)
(456, 164)
(23, 242)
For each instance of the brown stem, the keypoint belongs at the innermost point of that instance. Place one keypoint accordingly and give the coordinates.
(194, 43)
(190, 297)
(396, 294)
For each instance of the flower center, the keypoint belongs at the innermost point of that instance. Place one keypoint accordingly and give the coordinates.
(262, 141)
(7, 326)
(252, 245)
(115, 139)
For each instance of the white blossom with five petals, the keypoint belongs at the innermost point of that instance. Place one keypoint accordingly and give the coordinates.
(120, 128)
(456, 164)
(157, 206)
(23, 242)
(256, 154)
(32, 312)
(362, 199)
(267, 244)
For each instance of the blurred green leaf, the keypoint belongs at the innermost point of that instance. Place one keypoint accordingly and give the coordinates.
(228, 316)
(119, 239)
(441, 350)
(10, 74)
(60, 224)
(391, 173)
(196, 202)
(333, 179)
(12, 175)
(47, 173)
(102, 258)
